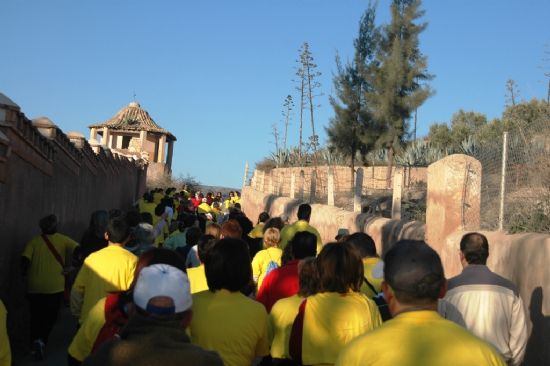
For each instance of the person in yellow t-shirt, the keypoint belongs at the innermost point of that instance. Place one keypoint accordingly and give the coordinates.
(204, 207)
(5, 350)
(258, 230)
(197, 275)
(288, 232)
(283, 313)
(86, 339)
(225, 320)
(338, 312)
(46, 283)
(372, 285)
(148, 205)
(109, 269)
(417, 334)
(267, 259)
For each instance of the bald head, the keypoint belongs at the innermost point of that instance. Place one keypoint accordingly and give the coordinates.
(475, 248)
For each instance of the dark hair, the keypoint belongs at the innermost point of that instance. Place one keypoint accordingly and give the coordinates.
(414, 272)
(192, 235)
(159, 209)
(304, 244)
(363, 243)
(304, 212)
(263, 217)
(118, 230)
(98, 223)
(475, 248)
(308, 277)
(115, 212)
(147, 218)
(340, 268)
(227, 265)
(232, 229)
(48, 224)
(133, 218)
(275, 222)
(205, 243)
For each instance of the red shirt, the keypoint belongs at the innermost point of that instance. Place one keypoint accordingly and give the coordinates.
(278, 284)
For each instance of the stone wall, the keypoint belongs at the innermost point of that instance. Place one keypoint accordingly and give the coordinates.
(328, 219)
(453, 208)
(43, 171)
(278, 180)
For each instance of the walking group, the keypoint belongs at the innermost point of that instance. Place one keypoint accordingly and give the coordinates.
(188, 279)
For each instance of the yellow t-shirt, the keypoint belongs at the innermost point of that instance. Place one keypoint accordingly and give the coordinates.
(331, 321)
(231, 324)
(5, 350)
(258, 231)
(368, 265)
(157, 197)
(281, 318)
(288, 232)
(419, 338)
(261, 262)
(148, 207)
(84, 340)
(45, 274)
(109, 269)
(197, 279)
(204, 208)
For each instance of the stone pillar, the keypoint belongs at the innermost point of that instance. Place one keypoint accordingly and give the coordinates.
(45, 126)
(119, 141)
(105, 137)
(245, 174)
(262, 181)
(292, 184)
(313, 186)
(301, 185)
(453, 202)
(142, 139)
(162, 146)
(398, 176)
(93, 133)
(96, 146)
(77, 139)
(270, 184)
(169, 155)
(281, 183)
(358, 190)
(330, 187)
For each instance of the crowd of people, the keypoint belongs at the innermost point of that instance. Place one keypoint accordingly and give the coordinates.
(188, 279)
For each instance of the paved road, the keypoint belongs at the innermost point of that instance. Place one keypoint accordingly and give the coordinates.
(56, 351)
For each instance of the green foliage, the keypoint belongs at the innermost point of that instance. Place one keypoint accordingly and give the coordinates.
(530, 219)
(419, 153)
(398, 82)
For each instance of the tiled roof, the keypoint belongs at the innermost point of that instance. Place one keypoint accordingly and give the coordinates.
(133, 118)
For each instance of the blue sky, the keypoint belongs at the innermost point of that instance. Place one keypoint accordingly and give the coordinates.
(215, 73)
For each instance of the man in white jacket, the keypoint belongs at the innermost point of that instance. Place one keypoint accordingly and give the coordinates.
(485, 303)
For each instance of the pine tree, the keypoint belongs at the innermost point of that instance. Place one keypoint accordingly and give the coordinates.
(352, 130)
(397, 84)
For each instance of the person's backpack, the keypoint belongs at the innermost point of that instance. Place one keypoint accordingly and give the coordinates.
(380, 302)
(271, 266)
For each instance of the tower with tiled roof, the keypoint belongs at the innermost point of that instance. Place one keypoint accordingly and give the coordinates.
(133, 132)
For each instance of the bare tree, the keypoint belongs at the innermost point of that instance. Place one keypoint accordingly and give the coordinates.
(512, 92)
(288, 106)
(308, 79)
(275, 133)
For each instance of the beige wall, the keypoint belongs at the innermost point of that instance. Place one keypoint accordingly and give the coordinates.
(373, 178)
(43, 176)
(523, 258)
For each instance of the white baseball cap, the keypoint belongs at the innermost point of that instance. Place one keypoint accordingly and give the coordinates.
(162, 280)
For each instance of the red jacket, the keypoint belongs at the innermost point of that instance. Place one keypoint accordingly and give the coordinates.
(278, 284)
